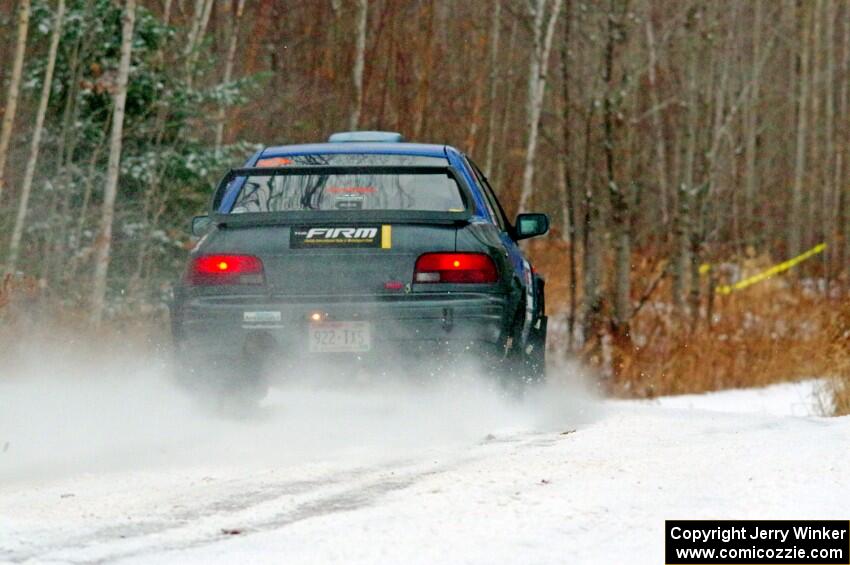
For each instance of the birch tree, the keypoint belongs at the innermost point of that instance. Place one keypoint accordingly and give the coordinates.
(660, 138)
(359, 63)
(508, 107)
(35, 145)
(566, 165)
(104, 238)
(200, 19)
(228, 73)
(830, 197)
(752, 122)
(814, 174)
(196, 26)
(682, 221)
(795, 212)
(537, 70)
(424, 79)
(495, 27)
(14, 89)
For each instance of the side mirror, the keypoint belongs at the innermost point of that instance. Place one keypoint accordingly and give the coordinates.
(201, 225)
(531, 225)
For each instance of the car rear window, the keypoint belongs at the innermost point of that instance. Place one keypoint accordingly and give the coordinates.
(397, 191)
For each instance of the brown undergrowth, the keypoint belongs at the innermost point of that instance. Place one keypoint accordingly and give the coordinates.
(34, 318)
(771, 332)
(837, 386)
(752, 340)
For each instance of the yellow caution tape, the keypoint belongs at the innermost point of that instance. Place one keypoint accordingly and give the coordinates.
(775, 270)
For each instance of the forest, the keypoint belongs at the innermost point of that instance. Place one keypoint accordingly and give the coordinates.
(685, 150)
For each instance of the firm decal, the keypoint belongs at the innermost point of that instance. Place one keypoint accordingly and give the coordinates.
(376, 236)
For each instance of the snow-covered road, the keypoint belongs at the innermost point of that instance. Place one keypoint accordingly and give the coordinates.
(401, 474)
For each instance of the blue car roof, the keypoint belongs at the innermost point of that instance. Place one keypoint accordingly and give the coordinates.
(421, 149)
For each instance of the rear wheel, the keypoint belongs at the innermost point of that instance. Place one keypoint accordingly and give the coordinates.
(525, 364)
(534, 355)
(535, 348)
(222, 382)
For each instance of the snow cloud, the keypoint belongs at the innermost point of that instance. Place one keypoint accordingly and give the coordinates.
(67, 409)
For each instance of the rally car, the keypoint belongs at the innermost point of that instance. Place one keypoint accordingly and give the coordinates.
(355, 251)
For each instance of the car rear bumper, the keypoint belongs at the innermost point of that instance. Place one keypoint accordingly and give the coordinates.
(412, 325)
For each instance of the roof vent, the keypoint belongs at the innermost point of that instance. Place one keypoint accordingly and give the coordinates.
(366, 137)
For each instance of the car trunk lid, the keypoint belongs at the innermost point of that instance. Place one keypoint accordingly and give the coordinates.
(340, 259)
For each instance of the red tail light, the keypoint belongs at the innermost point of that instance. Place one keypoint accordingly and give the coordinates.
(455, 268)
(225, 269)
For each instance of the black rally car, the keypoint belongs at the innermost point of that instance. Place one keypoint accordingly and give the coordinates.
(358, 250)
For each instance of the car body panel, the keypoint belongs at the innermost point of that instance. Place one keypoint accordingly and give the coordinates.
(348, 271)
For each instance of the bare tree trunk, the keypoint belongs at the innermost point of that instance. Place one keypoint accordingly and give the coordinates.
(815, 181)
(228, 73)
(620, 216)
(681, 229)
(134, 286)
(592, 283)
(57, 240)
(359, 62)
(166, 11)
(752, 119)
(830, 200)
(842, 165)
(200, 19)
(620, 213)
(700, 195)
(104, 238)
(682, 223)
(196, 25)
(658, 126)
(424, 73)
(26, 188)
(567, 159)
(477, 102)
(70, 273)
(507, 107)
(697, 237)
(538, 69)
(205, 18)
(795, 226)
(14, 89)
(495, 27)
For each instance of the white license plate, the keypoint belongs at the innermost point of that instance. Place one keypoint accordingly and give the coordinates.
(332, 337)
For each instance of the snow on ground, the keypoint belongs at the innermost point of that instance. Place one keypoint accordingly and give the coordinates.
(785, 399)
(131, 472)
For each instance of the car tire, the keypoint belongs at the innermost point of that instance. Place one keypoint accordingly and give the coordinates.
(534, 356)
(222, 383)
(524, 366)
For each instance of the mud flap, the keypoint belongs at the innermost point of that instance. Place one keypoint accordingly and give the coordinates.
(535, 351)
